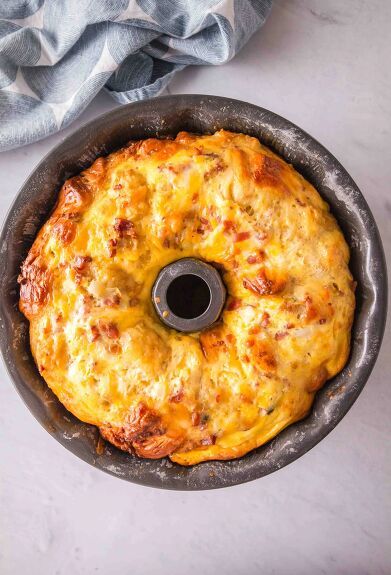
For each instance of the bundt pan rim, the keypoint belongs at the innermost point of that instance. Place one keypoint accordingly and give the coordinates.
(162, 117)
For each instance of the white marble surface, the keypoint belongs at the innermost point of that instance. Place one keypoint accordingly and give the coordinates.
(324, 65)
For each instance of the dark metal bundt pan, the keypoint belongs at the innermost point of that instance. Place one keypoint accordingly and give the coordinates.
(163, 117)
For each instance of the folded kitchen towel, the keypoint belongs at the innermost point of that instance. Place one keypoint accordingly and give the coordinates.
(55, 55)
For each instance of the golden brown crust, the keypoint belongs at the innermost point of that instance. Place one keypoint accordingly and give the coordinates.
(285, 330)
(144, 433)
(75, 196)
(34, 280)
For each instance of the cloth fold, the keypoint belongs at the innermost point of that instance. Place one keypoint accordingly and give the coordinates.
(56, 55)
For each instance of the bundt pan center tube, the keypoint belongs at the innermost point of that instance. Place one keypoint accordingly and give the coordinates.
(193, 295)
(188, 295)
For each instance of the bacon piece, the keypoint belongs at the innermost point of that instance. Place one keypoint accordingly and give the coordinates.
(280, 335)
(241, 236)
(125, 228)
(310, 310)
(78, 278)
(95, 333)
(261, 236)
(109, 329)
(263, 285)
(112, 245)
(195, 418)
(234, 303)
(229, 226)
(208, 440)
(112, 301)
(218, 167)
(203, 227)
(256, 259)
(265, 319)
(254, 330)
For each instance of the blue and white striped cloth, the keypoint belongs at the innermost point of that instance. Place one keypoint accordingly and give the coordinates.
(55, 55)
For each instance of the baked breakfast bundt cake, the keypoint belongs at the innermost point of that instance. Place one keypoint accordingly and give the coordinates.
(86, 284)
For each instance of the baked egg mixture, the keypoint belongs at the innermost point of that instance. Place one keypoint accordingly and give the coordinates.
(86, 284)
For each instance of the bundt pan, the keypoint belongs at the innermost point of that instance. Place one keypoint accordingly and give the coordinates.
(165, 117)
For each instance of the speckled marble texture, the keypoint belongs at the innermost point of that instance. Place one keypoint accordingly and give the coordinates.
(324, 65)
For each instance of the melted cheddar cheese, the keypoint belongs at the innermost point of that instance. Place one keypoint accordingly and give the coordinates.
(86, 289)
